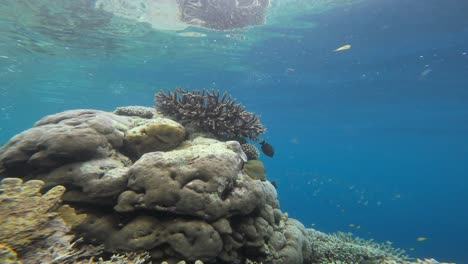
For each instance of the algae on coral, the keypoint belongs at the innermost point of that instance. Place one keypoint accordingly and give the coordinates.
(255, 169)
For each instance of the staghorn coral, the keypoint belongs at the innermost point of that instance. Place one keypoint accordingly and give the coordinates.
(211, 112)
(387, 248)
(345, 248)
(429, 261)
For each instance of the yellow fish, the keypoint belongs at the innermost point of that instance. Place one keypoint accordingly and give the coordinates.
(421, 239)
(345, 47)
(351, 225)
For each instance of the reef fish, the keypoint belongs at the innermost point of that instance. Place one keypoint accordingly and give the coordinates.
(345, 47)
(267, 149)
(274, 184)
(421, 239)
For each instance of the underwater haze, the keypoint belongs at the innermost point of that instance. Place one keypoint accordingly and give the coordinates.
(371, 139)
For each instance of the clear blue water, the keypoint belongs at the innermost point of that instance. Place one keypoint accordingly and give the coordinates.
(375, 136)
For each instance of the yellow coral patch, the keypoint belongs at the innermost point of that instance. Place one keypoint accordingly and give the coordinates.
(26, 214)
(157, 135)
(8, 255)
(70, 217)
(255, 169)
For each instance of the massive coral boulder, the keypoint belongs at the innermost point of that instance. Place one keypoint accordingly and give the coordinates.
(83, 135)
(63, 138)
(82, 150)
(202, 178)
(96, 181)
(143, 184)
(163, 237)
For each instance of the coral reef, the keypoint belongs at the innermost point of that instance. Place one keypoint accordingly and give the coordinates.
(211, 112)
(200, 178)
(159, 134)
(27, 216)
(255, 169)
(140, 111)
(8, 255)
(64, 138)
(32, 225)
(251, 151)
(141, 188)
(429, 261)
(346, 248)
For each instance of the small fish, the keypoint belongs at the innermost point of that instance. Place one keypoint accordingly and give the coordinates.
(267, 149)
(351, 225)
(421, 239)
(274, 184)
(345, 47)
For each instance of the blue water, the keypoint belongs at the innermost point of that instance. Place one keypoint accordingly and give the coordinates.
(375, 136)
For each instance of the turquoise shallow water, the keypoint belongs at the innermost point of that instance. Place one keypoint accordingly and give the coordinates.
(375, 136)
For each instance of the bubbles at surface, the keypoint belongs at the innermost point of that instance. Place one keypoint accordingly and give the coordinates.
(180, 14)
(160, 14)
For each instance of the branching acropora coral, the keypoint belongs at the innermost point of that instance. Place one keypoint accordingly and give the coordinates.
(210, 111)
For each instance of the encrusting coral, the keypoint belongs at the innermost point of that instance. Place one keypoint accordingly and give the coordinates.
(255, 169)
(140, 111)
(210, 111)
(160, 134)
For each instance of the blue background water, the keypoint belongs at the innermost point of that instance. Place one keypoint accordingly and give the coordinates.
(376, 136)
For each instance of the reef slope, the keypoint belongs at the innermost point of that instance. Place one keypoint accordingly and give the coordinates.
(142, 182)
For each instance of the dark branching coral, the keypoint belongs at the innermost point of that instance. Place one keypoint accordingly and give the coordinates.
(210, 111)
